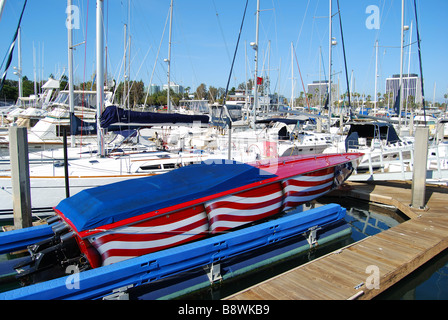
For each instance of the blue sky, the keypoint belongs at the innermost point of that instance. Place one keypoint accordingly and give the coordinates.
(205, 34)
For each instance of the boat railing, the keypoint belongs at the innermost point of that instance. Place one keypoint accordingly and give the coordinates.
(402, 166)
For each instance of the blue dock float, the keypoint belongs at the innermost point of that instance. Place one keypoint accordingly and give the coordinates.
(235, 268)
(15, 240)
(102, 282)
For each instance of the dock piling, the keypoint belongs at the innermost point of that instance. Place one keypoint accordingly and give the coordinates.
(20, 177)
(420, 168)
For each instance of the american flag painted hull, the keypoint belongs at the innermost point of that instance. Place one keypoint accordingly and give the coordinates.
(150, 236)
(212, 215)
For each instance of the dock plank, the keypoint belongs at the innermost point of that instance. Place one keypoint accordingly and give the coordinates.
(396, 252)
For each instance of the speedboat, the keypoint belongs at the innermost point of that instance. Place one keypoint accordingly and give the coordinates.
(112, 223)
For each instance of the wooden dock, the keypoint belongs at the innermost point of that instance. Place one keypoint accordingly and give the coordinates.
(368, 267)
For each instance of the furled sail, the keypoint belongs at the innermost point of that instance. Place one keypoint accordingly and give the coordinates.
(119, 116)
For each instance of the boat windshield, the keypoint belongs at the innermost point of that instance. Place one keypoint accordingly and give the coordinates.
(85, 99)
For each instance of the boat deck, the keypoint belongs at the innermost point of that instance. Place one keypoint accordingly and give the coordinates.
(365, 269)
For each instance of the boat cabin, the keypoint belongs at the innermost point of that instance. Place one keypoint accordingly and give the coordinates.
(370, 133)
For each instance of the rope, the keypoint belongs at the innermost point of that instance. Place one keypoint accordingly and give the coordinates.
(234, 55)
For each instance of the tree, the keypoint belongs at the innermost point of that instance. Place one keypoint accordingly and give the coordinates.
(212, 94)
(64, 83)
(10, 90)
(187, 92)
(411, 101)
(201, 92)
(250, 84)
(137, 92)
(369, 101)
(27, 87)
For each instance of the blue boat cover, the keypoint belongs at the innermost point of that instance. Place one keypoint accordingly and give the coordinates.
(78, 126)
(111, 203)
(113, 114)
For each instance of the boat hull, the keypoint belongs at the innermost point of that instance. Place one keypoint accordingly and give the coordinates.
(199, 220)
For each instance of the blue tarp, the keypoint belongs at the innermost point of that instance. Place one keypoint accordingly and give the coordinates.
(107, 204)
(78, 126)
(113, 114)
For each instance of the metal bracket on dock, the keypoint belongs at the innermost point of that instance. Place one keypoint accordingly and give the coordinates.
(311, 236)
(119, 294)
(214, 273)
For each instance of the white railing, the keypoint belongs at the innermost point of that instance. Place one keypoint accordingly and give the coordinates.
(401, 168)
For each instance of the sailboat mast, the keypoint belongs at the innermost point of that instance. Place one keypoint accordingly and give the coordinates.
(100, 74)
(330, 32)
(376, 77)
(401, 63)
(292, 76)
(169, 58)
(409, 71)
(125, 41)
(71, 101)
(256, 63)
(320, 80)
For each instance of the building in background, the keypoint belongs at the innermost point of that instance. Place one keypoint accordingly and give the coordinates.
(175, 87)
(319, 91)
(412, 87)
(153, 89)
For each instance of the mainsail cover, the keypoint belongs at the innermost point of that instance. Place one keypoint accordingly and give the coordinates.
(119, 116)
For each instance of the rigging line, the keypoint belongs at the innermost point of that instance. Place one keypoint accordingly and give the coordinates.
(132, 82)
(377, 35)
(310, 54)
(345, 59)
(234, 55)
(323, 65)
(303, 22)
(303, 85)
(157, 56)
(420, 60)
(222, 31)
(178, 26)
(117, 77)
(84, 75)
(138, 71)
(275, 27)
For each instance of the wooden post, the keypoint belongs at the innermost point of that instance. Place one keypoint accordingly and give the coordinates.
(67, 184)
(420, 168)
(20, 177)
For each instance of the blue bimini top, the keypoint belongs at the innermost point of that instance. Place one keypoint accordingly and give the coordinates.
(114, 202)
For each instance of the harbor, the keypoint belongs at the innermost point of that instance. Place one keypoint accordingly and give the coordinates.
(112, 190)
